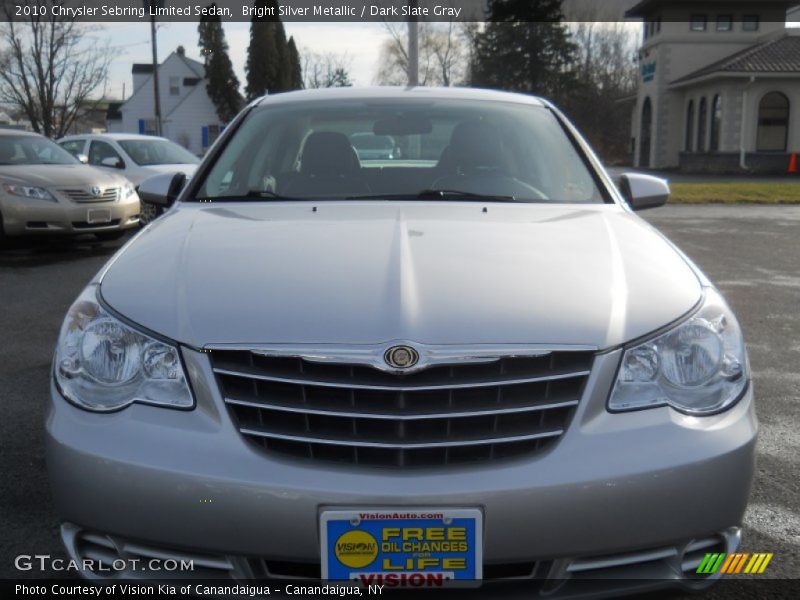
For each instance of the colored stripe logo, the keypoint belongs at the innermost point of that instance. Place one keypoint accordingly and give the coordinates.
(734, 564)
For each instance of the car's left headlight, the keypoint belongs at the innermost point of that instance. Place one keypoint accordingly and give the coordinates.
(127, 191)
(102, 364)
(698, 367)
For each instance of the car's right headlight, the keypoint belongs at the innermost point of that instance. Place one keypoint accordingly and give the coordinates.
(28, 191)
(127, 191)
(102, 364)
(699, 367)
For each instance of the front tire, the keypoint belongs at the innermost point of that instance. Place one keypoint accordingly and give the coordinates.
(149, 213)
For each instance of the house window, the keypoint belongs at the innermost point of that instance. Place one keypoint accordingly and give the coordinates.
(689, 126)
(702, 124)
(725, 23)
(699, 22)
(750, 23)
(174, 86)
(210, 133)
(148, 127)
(773, 123)
(716, 123)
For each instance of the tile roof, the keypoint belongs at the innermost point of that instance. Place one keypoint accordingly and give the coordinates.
(781, 55)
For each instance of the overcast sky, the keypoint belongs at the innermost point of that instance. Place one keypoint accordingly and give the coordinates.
(131, 42)
(361, 42)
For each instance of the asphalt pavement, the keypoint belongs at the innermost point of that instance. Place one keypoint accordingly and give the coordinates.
(752, 253)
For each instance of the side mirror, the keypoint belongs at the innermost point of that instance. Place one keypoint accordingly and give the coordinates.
(644, 191)
(162, 190)
(113, 162)
(82, 158)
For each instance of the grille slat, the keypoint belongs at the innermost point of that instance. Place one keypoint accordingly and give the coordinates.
(107, 195)
(356, 443)
(400, 386)
(442, 414)
(494, 412)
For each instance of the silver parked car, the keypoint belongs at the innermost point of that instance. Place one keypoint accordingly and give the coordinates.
(136, 157)
(45, 190)
(474, 362)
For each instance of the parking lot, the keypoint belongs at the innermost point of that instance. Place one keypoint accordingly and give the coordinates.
(752, 253)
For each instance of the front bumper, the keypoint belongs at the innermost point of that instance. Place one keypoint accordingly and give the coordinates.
(23, 216)
(613, 485)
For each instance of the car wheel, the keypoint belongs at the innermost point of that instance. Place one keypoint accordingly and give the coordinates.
(149, 213)
(109, 236)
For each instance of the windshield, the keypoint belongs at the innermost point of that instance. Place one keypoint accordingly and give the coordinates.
(32, 150)
(402, 149)
(157, 152)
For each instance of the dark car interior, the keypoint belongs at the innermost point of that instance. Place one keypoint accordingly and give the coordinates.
(493, 153)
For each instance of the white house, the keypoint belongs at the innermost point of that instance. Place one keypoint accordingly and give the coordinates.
(188, 116)
(719, 86)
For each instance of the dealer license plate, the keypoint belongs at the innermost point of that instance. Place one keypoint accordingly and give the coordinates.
(98, 215)
(402, 547)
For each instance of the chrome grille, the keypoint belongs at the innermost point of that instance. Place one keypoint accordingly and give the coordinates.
(442, 414)
(106, 195)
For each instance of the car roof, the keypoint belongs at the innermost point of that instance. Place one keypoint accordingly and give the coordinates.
(399, 93)
(9, 131)
(112, 136)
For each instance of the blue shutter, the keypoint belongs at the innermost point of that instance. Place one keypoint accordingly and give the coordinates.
(205, 137)
(141, 126)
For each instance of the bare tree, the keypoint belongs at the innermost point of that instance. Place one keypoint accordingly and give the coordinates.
(608, 72)
(50, 68)
(325, 70)
(443, 54)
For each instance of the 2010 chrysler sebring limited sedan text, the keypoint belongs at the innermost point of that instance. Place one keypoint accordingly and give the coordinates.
(469, 360)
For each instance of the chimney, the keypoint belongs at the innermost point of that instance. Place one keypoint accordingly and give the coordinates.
(181, 51)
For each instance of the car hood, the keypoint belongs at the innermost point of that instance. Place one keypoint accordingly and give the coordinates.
(49, 176)
(149, 171)
(369, 273)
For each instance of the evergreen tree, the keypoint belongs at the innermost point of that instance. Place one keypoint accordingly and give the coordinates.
(268, 62)
(526, 48)
(339, 77)
(221, 82)
(295, 68)
(282, 76)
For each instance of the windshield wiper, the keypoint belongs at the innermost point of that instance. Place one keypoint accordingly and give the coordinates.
(437, 195)
(251, 194)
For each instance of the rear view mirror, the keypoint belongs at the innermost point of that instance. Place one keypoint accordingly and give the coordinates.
(82, 158)
(162, 190)
(644, 191)
(113, 162)
(403, 125)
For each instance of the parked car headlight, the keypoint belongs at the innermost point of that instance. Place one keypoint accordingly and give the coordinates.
(699, 367)
(28, 191)
(102, 364)
(127, 191)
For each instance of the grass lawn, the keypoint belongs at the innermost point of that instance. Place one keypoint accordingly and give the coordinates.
(736, 193)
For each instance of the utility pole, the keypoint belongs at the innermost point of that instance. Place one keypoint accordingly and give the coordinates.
(154, 46)
(413, 44)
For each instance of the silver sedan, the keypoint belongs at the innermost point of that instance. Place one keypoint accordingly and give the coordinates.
(474, 362)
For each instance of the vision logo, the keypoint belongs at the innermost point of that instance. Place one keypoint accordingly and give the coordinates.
(734, 564)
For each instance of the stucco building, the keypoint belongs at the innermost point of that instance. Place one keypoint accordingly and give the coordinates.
(188, 116)
(719, 86)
